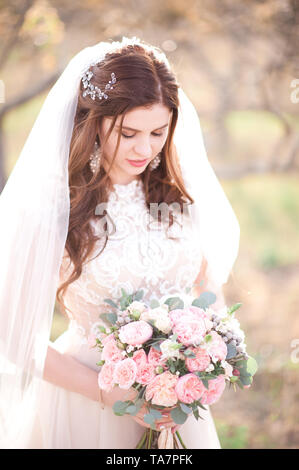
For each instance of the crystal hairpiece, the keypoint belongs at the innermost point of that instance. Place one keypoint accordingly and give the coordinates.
(94, 91)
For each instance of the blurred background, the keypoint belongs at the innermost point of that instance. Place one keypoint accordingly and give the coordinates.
(238, 63)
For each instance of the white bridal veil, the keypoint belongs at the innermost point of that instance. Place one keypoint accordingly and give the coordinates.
(34, 214)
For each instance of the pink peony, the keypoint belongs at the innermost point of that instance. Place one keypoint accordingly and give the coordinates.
(193, 313)
(125, 373)
(190, 330)
(189, 388)
(106, 338)
(216, 388)
(136, 332)
(200, 362)
(161, 390)
(145, 374)
(216, 348)
(154, 358)
(140, 357)
(145, 368)
(105, 376)
(111, 353)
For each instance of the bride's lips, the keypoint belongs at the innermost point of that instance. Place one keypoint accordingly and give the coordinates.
(138, 162)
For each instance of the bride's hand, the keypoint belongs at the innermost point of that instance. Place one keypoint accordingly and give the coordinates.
(118, 394)
(165, 421)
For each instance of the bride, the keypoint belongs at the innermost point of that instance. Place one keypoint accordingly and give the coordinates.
(116, 137)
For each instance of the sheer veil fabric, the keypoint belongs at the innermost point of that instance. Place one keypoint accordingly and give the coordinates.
(34, 210)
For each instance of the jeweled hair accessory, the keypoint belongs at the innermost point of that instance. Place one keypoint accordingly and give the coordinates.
(94, 91)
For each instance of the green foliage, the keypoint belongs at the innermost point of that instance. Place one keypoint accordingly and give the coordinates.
(204, 300)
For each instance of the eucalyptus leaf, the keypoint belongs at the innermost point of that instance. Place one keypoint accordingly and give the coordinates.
(251, 366)
(132, 410)
(156, 346)
(156, 414)
(109, 317)
(149, 418)
(154, 304)
(178, 415)
(139, 294)
(185, 408)
(111, 303)
(204, 300)
(231, 351)
(245, 380)
(174, 303)
(119, 407)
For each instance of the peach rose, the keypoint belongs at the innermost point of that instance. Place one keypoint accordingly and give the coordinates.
(216, 388)
(161, 390)
(105, 376)
(200, 362)
(189, 388)
(125, 373)
(136, 332)
(111, 353)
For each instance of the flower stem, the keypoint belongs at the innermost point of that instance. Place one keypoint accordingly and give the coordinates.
(150, 438)
(141, 442)
(180, 439)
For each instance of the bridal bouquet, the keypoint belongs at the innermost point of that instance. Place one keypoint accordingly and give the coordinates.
(177, 353)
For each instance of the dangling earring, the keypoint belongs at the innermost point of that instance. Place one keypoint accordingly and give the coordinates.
(155, 162)
(95, 158)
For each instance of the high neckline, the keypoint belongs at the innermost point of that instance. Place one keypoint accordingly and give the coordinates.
(132, 183)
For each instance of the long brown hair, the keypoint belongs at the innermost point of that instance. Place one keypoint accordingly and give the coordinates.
(143, 79)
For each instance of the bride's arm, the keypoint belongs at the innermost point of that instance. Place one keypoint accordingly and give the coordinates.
(65, 371)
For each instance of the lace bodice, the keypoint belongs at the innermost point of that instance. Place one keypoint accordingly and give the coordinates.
(139, 255)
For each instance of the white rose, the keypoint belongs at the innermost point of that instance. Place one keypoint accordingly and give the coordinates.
(163, 324)
(169, 349)
(228, 369)
(139, 306)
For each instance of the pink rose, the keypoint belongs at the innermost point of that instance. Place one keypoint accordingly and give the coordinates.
(125, 373)
(105, 376)
(111, 353)
(200, 362)
(216, 348)
(161, 390)
(216, 388)
(189, 388)
(136, 332)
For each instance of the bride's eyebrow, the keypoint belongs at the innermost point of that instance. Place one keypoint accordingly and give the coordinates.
(137, 130)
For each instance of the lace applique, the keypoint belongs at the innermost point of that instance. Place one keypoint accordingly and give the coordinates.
(139, 255)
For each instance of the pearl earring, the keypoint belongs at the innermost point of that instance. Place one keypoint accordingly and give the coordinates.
(95, 158)
(155, 162)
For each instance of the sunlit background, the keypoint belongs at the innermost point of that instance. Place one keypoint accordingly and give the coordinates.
(238, 63)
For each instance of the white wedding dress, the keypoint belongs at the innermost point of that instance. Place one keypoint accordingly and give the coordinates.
(135, 257)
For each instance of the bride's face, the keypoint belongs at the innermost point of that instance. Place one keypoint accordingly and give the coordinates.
(143, 136)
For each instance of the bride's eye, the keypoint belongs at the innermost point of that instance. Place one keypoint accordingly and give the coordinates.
(130, 136)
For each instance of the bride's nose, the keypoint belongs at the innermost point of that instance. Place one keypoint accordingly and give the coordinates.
(143, 148)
